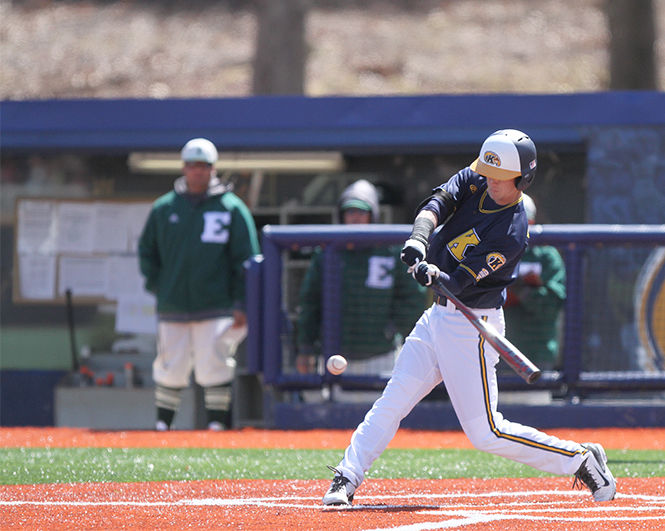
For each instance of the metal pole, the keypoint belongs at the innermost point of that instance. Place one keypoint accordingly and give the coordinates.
(70, 324)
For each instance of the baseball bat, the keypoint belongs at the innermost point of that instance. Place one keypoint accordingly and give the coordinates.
(517, 361)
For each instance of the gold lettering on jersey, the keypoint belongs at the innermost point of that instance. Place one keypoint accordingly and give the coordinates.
(495, 260)
(458, 246)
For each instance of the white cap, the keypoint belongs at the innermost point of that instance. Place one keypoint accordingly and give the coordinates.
(199, 150)
(529, 207)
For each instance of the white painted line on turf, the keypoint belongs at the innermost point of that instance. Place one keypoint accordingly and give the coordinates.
(297, 501)
(542, 511)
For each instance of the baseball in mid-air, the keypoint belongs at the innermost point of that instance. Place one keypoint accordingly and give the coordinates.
(336, 364)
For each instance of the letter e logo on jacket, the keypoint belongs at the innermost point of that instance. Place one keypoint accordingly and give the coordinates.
(216, 227)
(380, 272)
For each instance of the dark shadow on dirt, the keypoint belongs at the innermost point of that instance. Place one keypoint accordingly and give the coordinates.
(385, 508)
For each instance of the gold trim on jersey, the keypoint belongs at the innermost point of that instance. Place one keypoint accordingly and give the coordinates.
(490, 418)
(484, 211)
(471, 271)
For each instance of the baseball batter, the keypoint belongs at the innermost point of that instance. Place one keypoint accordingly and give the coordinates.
(470, 233)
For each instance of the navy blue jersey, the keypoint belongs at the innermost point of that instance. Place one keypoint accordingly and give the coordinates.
(482, 242)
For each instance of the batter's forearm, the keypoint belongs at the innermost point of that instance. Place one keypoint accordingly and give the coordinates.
(423, 226)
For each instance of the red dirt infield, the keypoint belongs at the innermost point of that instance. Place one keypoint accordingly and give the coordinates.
(469, 504)
(526, 504)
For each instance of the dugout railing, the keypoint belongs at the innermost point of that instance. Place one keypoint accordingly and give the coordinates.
(269, 329)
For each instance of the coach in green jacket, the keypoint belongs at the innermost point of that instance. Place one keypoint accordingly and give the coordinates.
(192, 253)
(380, 302)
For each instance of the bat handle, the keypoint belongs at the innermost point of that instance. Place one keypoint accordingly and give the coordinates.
(534, 376)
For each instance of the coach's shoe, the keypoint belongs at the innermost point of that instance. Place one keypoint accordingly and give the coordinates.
(341, 490)
(595, 474)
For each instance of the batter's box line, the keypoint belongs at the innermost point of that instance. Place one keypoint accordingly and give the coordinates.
(315, 501)
(592, 509)
(516, 494)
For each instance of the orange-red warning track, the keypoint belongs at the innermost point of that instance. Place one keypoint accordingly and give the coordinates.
(615, 438)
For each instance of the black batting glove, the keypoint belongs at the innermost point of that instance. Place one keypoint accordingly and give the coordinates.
(425, 273)
(413, 253)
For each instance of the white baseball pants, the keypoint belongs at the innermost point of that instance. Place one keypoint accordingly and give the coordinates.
(444, 345)
(208, 347)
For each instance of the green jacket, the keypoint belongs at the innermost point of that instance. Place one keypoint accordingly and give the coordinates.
(192, 253)
(532, 311)
(380, 302)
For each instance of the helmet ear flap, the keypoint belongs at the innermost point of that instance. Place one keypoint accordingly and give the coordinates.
(526, 150)
(524, 181)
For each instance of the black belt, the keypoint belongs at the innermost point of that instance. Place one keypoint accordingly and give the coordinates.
(440, 299)
(443, 301)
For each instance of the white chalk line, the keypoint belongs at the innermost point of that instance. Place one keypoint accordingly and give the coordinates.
(473, 518)
(296, 501)
(458, 518)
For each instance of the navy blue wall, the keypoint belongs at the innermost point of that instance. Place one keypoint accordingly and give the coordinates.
(362, 124)
(26, 397)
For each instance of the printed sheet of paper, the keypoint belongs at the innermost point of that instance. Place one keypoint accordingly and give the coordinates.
(76, 227)
(37, 276)
(137, 215)
(124, 277)
(36, 231)
(111, 234)
(85, 276)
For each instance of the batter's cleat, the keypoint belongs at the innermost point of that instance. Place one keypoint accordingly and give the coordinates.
(595, 474)
(341, 490)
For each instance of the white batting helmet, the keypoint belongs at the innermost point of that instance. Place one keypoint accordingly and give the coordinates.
(199, 150)
(507, 154)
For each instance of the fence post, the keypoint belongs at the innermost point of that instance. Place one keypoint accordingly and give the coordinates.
(254, 306)
(331, 310)
(272, 297)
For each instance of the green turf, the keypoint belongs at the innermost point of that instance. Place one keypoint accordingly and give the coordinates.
(64, 465)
